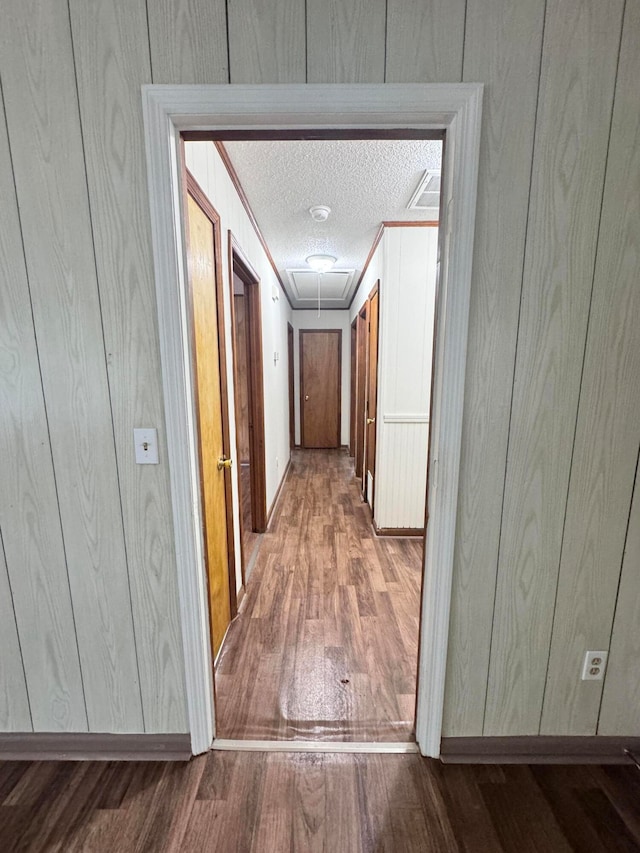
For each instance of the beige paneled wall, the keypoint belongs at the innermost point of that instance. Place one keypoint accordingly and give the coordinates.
(503, 49)
(550, 435)
(36, 594)
(606, 443)
(575, 98)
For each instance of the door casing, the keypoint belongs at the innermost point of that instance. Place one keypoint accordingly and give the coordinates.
(361, 373)
(456, 110)
(373, 337)
(292, 386)
(353, 381)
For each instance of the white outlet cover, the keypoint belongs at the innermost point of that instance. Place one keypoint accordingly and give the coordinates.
(594, 666)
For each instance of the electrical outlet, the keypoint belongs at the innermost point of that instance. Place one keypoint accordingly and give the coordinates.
(594, 666)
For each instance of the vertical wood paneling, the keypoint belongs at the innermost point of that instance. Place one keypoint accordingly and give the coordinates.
(267, 41)
(502, 48)
(44, 131)
(576, 93)
(29, 507)
(111, 64)
(620, 713)
(401, 474)
(425, 41)
(15, 715)
(188, 40)
(345, 41)
(608, 431)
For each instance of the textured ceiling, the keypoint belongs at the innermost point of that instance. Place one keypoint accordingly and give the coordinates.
(364, 182)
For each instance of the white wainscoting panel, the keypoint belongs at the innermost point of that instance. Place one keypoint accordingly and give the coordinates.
(402, 471)
(407, 300)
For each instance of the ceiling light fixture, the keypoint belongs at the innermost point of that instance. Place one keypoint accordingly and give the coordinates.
(321, 263)
(320, 212)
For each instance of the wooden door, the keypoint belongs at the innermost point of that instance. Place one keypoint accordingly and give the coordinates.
(242, 385)
(353, 389)
(292, 415)
(372, 387)
(320, 386)
(202, 280)
(361, 383)
(241, 269)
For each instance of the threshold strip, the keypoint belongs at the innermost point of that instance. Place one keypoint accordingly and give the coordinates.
(314, 746)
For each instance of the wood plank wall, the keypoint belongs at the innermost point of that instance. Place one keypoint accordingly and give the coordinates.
(551, 431)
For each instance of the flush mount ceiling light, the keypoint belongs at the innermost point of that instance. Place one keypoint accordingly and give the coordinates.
(320, 212)
(321, 263)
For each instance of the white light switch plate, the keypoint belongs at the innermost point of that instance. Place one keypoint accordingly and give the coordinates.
(146, 445)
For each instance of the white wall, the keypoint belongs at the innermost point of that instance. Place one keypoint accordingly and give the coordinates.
(372, 274)
(405, 264)
(407, 298)
(205, 164)
(326, 320)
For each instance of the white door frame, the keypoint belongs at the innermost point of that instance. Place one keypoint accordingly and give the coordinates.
(455, 108)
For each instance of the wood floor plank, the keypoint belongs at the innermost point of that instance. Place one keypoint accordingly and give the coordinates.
(243, 801)
(329, 623)
(309, 803)
(520, 815)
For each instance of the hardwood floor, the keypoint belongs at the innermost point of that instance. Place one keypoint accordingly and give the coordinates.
(325, 646)
(249, 537)
(279, 802)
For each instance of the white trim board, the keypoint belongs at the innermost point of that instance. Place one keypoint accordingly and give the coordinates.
(328, 746)
(455, 108)
(406, 419)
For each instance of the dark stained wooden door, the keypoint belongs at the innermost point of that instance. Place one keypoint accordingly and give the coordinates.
(372, 386)
(292, 416)
(361, 387)
(202, 280)
(353, 389)
(320, 386)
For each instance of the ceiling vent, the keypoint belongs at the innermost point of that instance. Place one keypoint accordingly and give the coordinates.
(427, 194)
(335, 286)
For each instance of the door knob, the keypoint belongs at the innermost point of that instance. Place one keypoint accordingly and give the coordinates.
(223, 462)
(306, 396)
(371, 420)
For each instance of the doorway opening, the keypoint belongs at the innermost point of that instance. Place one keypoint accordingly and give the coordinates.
(325, 647)
(382, 109)
(246, 324)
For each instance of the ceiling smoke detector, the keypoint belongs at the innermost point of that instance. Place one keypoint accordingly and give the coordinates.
(320, 212)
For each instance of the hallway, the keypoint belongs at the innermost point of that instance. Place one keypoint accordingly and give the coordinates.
(325, 645)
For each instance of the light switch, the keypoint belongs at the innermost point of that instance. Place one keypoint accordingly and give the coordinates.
(146, 445)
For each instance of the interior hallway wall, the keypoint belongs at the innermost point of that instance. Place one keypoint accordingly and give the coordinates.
(407, 301)
(552, 415)
(206, 166)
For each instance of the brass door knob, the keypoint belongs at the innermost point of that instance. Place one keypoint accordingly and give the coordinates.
(371, 420)
(223, 462)
(306, 396)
